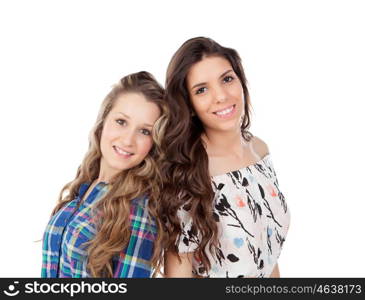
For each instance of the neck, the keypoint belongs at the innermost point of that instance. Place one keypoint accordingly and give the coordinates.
(221, 143)
(103, 177)
(106, 174)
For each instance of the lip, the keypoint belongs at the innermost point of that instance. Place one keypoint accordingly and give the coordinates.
(227, 115)
(120, 154)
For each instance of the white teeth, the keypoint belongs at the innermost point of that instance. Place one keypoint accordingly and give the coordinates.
(224, 112)
(122, 151)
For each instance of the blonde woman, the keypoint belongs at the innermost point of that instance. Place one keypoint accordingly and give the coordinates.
(105, 223)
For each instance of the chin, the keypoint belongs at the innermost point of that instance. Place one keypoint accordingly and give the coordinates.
(229, 129)
(124, 168)
(121, 167)
(228, 126)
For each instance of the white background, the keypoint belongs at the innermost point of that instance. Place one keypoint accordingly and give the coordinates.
(305, 65)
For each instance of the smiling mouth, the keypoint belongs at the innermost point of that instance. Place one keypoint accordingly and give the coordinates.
(225, 112)
(122, 152)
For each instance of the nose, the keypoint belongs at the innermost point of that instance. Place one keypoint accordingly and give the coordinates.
(220, 95)
(128, 138)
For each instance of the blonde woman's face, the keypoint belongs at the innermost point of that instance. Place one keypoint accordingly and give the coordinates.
(126, 138)
(216, 94)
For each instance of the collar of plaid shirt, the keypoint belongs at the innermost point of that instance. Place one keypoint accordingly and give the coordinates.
(63, 252)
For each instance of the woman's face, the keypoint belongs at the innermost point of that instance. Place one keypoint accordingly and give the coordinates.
(216, 94)
(126, 138)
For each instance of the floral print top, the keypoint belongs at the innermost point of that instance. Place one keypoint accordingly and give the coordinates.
(253, 221)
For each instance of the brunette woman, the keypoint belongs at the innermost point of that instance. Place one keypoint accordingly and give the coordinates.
(225, 213)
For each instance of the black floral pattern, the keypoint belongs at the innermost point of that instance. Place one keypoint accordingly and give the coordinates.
(253, 218)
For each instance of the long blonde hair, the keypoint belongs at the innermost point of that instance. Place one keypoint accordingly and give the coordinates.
(113, 225)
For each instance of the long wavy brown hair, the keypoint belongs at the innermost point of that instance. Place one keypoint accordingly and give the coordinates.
(112, 211)
(185, 162)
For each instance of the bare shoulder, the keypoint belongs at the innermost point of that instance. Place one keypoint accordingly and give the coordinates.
(259, 146)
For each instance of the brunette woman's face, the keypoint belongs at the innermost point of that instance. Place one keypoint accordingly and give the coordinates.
(126, 138)
(216, 94)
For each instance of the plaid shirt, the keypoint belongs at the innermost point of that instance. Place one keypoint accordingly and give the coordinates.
(64, 254)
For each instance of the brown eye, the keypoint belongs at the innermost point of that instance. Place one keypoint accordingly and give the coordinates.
(228, 79)
(121, 122)
(201, 90)
(145, 132)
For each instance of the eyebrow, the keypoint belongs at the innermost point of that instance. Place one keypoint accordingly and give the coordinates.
(204, 83)
(127, 117)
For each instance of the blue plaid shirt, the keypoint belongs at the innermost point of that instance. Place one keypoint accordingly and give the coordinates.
(64, 255)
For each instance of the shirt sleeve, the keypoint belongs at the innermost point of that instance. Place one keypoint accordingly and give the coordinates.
(189, 238)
